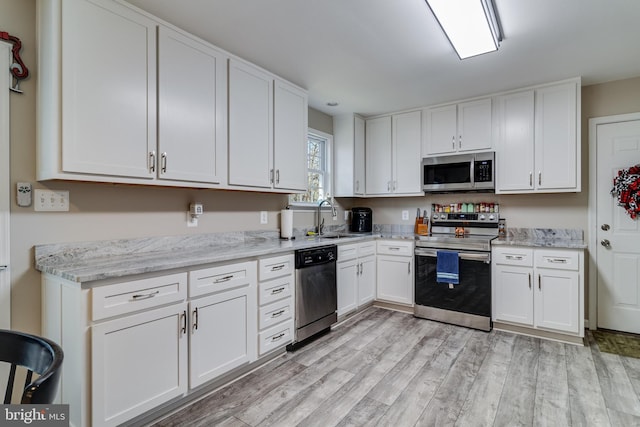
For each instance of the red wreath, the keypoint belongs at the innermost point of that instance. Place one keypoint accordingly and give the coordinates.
(627, 186)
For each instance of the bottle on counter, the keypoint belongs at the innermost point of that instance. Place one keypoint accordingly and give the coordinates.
(502, 228)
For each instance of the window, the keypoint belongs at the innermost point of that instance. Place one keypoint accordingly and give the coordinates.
(318, 169)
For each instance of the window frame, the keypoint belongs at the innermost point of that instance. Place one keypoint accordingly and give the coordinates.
(328, 171)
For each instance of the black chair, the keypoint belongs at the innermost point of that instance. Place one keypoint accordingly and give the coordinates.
(35, 354)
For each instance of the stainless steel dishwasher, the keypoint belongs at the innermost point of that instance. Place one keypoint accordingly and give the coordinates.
(316, 292)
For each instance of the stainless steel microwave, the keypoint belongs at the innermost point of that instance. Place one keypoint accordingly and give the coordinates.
(459, 172)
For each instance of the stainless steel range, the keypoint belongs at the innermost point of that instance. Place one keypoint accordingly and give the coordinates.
(468, 302)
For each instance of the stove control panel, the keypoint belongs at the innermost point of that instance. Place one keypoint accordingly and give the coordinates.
(465, 217)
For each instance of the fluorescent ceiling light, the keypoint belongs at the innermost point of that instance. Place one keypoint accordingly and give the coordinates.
(470, 25)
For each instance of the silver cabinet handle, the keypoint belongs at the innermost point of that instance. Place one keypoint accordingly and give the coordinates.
(277, 176)
(277, 291)
(3, 267)
(271, 173)
(357, 185)
(409, 268)
(529, 280)
(195, 319)
(605, 227)
(606, 243)
(539, 178)
(530, 179)
(395, 185)
(223, 279)
(393, 248)
(557, 260)
(515, 257)
(163, 163)
(277, 313)
(277, 337)
(138, 297)
(152, 161)
(539, 282)
(460, 141)
(277, 267)
(453, 142)
(388, 186)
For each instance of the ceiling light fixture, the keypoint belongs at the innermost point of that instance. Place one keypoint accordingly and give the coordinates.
(471, 26)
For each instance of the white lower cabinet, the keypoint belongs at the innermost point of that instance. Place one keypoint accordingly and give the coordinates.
(139, 362)
(395, 271)
(356, 276)
(539, 288)
(276, 303)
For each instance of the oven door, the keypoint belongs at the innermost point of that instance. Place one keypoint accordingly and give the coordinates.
(471, 296)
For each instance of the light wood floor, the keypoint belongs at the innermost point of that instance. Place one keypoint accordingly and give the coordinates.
(390, 369)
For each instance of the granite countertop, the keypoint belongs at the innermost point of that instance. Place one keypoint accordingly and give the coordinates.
(543, 237)
(91, 261)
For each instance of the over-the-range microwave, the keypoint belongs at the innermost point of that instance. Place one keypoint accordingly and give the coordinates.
(459, 172)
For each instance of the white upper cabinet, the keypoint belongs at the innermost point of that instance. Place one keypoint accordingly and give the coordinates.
(192, 97)
(393, 154)
(267, 130)
(538, 141)
(101, 68)
(349, 155)
(462, 127)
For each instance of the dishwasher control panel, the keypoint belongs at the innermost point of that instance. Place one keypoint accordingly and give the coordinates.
(315, 256)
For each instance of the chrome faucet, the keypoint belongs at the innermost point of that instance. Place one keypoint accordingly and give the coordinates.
(321, 224)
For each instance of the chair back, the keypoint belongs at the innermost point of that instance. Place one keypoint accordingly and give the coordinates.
(35, 354)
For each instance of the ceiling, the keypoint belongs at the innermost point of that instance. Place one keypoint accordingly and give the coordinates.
(379, 56)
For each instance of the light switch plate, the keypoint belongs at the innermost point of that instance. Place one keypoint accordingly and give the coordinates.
(51, 201)
(405, 215)
(263, 217)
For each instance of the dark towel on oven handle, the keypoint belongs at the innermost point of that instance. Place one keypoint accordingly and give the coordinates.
(447, 270)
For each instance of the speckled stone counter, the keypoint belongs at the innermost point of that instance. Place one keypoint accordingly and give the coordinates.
(565, 238)
(91, 261)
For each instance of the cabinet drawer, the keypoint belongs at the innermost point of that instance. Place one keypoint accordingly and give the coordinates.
(275, 337)
(513, 256)
(135, 295)
(222, 278)
(557, 259)
(275, 313)
(368, 248)
(392, 247)
(270, 268)
(275, 290)
(347, 252)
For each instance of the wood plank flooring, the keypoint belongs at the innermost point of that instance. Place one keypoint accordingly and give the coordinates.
(387, 368)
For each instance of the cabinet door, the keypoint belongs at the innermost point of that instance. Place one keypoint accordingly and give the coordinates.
(108, 89)
(347, 280)
(367, 280)
(378, 153)
(250, 126)
(223, 333)
(513, 299)
(440, 130)
(474, 125)
(290, 137)
(138, 363)
(395, 279)
(557, 154)
(192, 103)
(359, 153)
(407, 132)
(557, 300)
(515, 145)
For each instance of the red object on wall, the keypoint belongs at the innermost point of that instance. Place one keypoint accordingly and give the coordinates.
(20, 71)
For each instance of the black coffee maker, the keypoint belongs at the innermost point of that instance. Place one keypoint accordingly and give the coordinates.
(361, 220)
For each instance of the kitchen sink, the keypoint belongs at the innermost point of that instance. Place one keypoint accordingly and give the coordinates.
(339, 236)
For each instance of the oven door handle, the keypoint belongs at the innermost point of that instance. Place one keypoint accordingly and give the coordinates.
(469, 256)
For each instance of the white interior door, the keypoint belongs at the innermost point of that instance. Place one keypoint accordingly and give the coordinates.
(618, 251)
(5, 275)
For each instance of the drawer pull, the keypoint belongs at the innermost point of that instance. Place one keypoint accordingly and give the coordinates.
(515, 257)
(224, 279)
(277, 291)
(277, 313)
(393, 248)
(557, 260)
(277, 337)
(195, 319)
(184, 322)
(277, 267)
(138, 297)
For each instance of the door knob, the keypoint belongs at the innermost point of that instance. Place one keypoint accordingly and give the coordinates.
(605, 227)
(605, 243)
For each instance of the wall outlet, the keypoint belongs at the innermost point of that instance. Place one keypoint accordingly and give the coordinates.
(51, 201)
(405, 215)
(264, 219)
